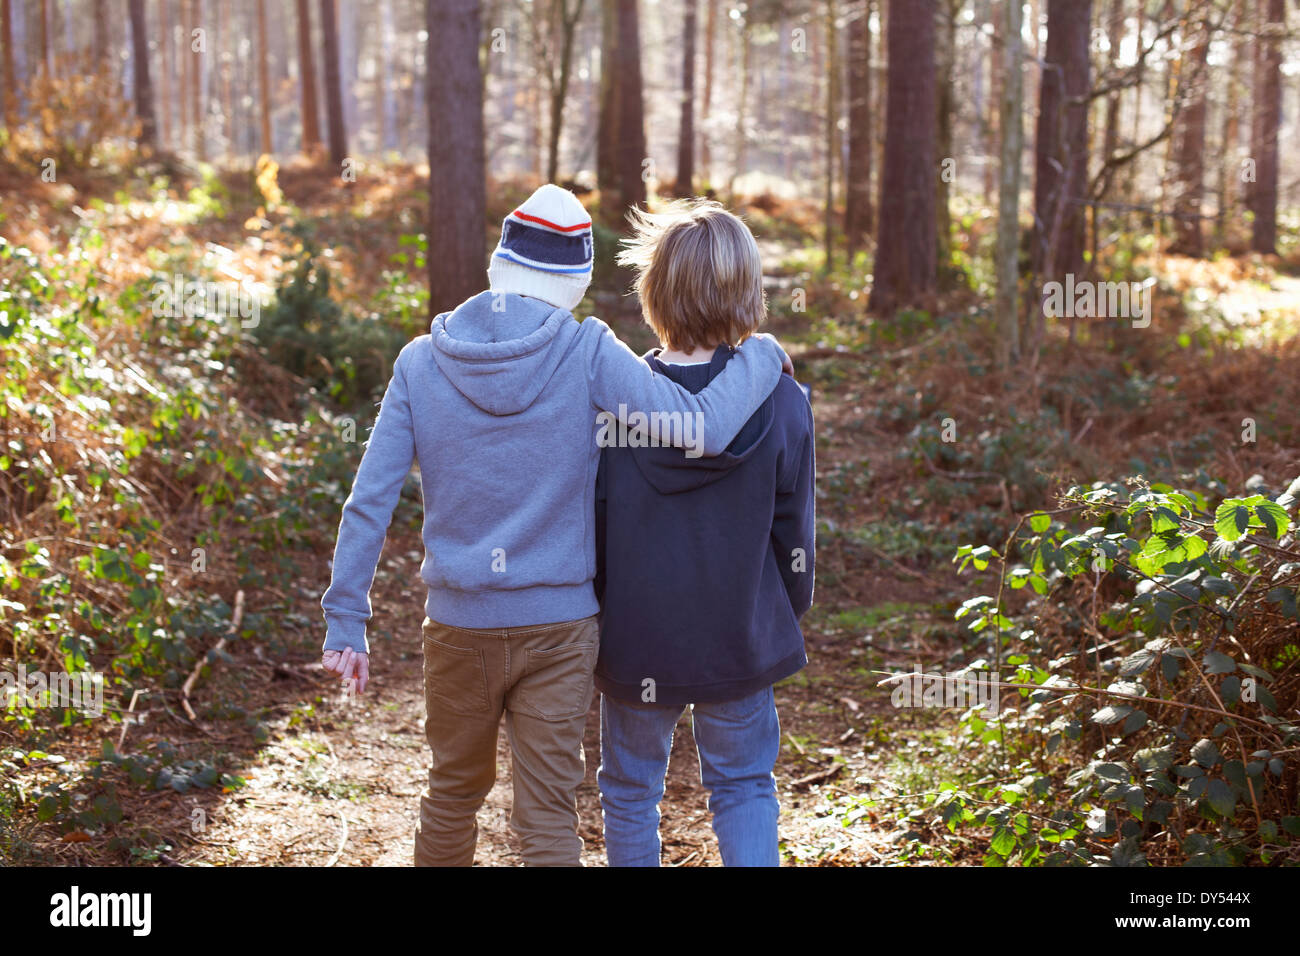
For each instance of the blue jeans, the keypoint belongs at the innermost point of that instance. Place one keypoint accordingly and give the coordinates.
(737, 742)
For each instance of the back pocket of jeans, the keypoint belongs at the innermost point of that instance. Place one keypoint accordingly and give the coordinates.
(454, 678)
(558, 682)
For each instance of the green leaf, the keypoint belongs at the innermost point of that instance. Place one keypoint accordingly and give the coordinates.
(1285, 598)
(1230, 689)
(1040, 523)
(1113, 772)
(1136, 721)
(1169, 666)
(1231, 520)
(1218, 586)
(46, 809)
(1112, 714)
(1218, 663)
(1221, 797)
(1273, 517)
(1004, 841)
(1206, 753)
(1235, 772)
(1137, 662)
(1163, 519)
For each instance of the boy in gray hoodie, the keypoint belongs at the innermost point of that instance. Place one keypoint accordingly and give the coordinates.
(501, 404)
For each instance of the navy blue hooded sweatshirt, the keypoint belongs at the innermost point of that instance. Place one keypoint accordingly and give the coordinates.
(705, 565)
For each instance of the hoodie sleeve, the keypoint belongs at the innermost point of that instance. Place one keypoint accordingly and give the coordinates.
(366, 515)
(621, 384)
(794, 522)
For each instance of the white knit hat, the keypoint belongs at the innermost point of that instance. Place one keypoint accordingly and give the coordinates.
(545, 249)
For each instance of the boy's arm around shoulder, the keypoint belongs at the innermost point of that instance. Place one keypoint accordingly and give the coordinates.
(794, 518)
(618, 377)
(366, 515)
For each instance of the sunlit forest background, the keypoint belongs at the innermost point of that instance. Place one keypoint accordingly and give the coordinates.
(1037, 261)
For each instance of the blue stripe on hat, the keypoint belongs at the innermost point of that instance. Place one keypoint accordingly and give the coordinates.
(542, 266)
(543, 249)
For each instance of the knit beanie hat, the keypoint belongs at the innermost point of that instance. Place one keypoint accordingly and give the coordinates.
(545, 249)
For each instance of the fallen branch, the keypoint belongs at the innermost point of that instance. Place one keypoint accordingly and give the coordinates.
(235, 619)
(819, 776)
(343, 841)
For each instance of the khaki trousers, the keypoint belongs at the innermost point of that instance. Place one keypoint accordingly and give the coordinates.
(540, 678)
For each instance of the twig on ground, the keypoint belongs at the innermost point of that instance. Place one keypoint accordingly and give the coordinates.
(818, 777)
(343, 841)
(235, 619)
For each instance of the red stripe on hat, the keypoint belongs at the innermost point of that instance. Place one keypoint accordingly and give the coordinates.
(550, 225)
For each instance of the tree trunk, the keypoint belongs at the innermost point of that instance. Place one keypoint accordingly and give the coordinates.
(349, 54)
(388, 111)
(1010, 124)
(163, 105)
(739, 155)
(333, 84)
(988, 117)
(686, 125)
(457, 190)
(99, 45)
(857, 178)
(1267, 118)
(1114, 37)
(264, 79)
(622, 132)
(10, 74)
(606, 144)
(47, 44)
(229, 48)
(905, 269)
(568, 23)
(706, 103)
(1061, 149)
(1189, 144)
(186, 66)
(832, 132)
(945, 51)
(196, 78)
(1230, 141)
(1036, 46)
(631, 111)
(143, 90)
(307, 81)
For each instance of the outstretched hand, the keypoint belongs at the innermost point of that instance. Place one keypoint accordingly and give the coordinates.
(352, 666)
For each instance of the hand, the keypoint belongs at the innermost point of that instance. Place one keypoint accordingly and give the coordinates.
(352, 666)
(787, 366)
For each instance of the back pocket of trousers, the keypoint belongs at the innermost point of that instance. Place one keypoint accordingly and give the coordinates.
(454, 678)
(558, 681)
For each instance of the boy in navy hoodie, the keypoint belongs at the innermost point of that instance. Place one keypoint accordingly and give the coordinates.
(704, 565)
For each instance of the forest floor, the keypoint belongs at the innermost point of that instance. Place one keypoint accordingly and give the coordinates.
(329, 781)
(364, 761)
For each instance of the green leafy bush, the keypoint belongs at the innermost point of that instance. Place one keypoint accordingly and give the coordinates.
(1154, 672)
(307, 332)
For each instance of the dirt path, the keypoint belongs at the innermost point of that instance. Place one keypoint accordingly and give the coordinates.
(365, 763)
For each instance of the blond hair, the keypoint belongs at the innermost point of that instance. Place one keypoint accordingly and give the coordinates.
(698, 274)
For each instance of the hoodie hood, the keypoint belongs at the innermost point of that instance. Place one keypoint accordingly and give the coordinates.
(499, 358)
(668, 469)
